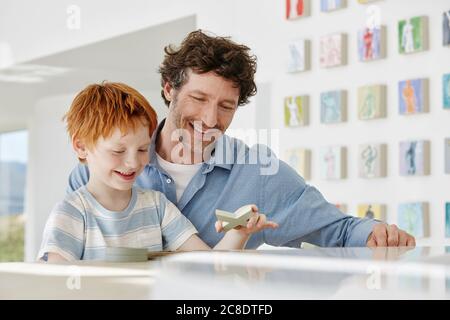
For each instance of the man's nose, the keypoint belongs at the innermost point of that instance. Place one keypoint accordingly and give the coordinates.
(209, 116)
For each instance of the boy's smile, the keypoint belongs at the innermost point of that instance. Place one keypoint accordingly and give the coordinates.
(127, 176)
(116, 161)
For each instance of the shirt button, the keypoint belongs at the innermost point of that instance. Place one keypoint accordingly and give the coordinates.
(169, 180)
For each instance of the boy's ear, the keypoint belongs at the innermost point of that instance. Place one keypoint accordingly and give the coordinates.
(80, 148)
(168, 91)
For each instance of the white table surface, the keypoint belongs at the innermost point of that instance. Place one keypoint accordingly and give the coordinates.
(318, 273)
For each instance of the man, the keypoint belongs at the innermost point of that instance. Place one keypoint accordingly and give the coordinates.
(201, 169)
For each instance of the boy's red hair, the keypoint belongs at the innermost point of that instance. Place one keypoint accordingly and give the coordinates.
(100, 108)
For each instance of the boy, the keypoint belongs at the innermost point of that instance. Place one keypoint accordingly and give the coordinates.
(110, 126)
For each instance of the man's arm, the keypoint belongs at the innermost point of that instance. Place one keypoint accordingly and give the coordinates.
(305, 216)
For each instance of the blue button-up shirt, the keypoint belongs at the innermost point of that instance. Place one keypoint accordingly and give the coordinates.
(237, 175)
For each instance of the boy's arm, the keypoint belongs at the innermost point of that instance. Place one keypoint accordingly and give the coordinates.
(233, 239)
(179, 234)
(54, 258)
(63, 234)
(236, 238)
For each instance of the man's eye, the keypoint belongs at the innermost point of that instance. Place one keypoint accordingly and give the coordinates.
(228, 108)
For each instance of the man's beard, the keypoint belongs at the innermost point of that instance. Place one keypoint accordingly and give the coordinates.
(192, 147)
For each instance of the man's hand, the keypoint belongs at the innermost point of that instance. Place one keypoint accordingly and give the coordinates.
(384, 235)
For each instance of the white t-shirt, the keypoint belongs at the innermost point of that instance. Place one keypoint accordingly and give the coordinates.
(180, 173)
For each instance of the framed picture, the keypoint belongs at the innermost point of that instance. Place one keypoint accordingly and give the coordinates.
(333, 162)
(297, 9)
(372, 160)
(413, 35)
(447, 155)
(446, 90)
(372, 102)
(300, 160)
(446, 28)
(447, 219)
(413, 218)
(333, 106)
(372, 43)
(333, 50)
(366, 1)
(332, 5)
(414, 158)
(372, 211)
(299, 56)
(413, 96)
(296, 112)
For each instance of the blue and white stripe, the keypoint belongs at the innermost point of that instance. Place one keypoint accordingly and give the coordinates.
(79, 228)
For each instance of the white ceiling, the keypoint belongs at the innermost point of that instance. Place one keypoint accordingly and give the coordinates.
(132, 58)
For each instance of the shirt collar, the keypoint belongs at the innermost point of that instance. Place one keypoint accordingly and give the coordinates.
(152, 151)
(222, 155)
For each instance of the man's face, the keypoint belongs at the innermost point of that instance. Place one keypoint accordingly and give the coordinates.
(202, 108)
(116, 161)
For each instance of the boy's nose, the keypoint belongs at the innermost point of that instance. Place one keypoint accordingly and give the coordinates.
(132, 161)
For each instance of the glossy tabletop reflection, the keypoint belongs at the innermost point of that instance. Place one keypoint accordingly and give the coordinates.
(319, 273)
(316, 273)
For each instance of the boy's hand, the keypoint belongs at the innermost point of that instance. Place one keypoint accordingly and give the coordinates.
(256, 223)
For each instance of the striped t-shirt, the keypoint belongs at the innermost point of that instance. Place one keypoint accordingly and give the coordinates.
(80, 228)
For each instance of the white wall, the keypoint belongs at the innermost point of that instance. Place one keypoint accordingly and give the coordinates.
(434, 126)
(50, 161)
(268, 34)
(39, 28)
(260, 24)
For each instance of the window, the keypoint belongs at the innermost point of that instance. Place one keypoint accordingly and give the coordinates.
(13, 166)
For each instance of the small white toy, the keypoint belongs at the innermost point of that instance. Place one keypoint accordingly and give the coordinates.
(231, 220)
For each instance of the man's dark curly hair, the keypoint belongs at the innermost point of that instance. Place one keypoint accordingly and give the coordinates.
(203, 53)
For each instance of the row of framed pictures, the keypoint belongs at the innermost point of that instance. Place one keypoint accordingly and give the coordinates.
(413, 98)
(414, 160)
(413, 217)
(302, 8)
(412, 37)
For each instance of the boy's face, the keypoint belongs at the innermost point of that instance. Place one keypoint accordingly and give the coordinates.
(116, 161)
(203, 108)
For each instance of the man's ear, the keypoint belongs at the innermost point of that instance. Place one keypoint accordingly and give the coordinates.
(168, 90)
(80, 148)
